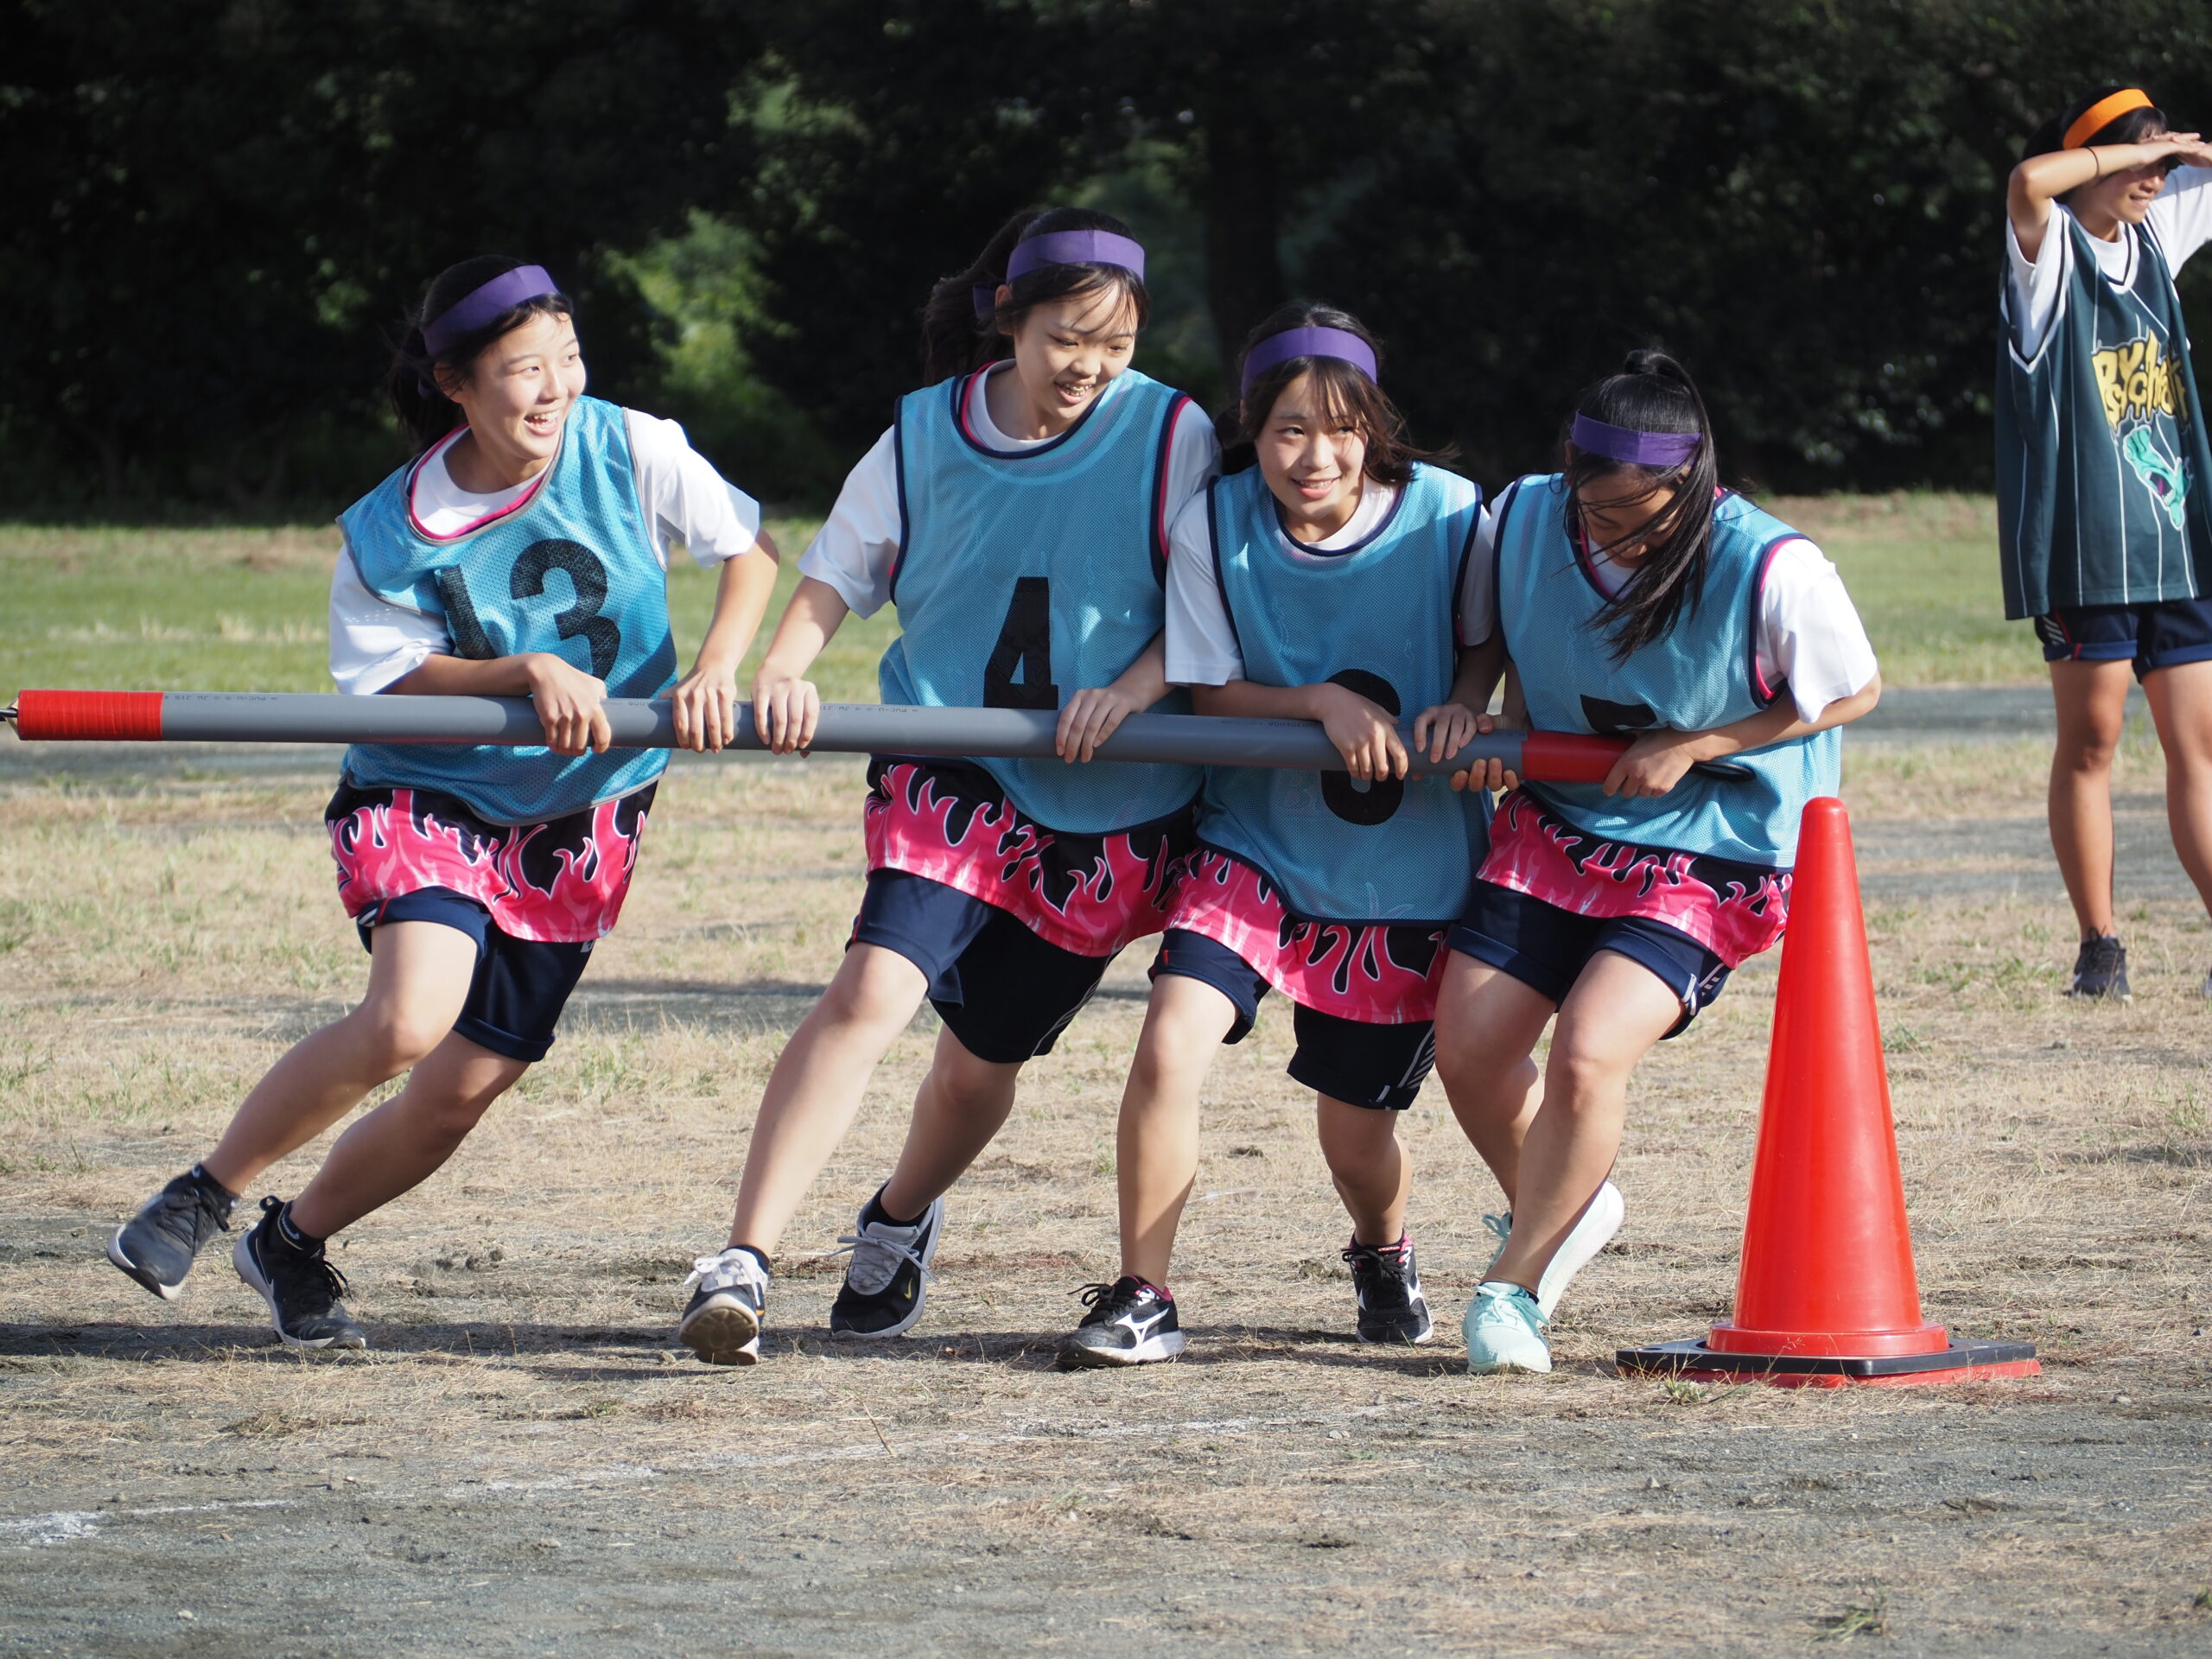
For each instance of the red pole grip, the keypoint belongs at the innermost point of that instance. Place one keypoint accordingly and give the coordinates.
(116, 716)
(1569, 757)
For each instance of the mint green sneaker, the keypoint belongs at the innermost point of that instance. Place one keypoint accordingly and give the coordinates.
(1505, 1330)
(1601, 1220)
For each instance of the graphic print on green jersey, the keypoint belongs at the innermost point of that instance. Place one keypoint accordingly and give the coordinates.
(2167, 479)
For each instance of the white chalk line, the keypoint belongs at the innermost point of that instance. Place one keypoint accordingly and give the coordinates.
(66, 1526)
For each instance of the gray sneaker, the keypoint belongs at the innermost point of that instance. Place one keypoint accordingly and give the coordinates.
(721, 1322)
(158, 1245)
(2101, 970)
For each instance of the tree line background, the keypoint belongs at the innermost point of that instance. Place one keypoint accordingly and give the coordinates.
(213, 213)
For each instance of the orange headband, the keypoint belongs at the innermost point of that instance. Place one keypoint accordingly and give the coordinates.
(2102, 113)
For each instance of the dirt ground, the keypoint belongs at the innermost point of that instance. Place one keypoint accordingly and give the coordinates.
(524, 1463)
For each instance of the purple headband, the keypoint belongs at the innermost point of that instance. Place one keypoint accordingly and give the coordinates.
(1063, 248)
(495, 299)
(1340, 343)
(1638, 448)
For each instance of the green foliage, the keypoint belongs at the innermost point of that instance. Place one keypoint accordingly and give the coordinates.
(211, 210)
(704, 288)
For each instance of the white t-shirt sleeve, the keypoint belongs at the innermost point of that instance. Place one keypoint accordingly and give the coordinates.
(1809, 632)
(858, 543)
(374, 642)
(1193, 458)
(2182, 213)
(2037, 283)
(1479, 585)
(1201, 640)
(685, 499)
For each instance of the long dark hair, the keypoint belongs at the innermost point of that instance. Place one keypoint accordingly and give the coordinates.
(955, 340)
(411, 382)
(1344, 394)
(2131, 128)
(1652, 393)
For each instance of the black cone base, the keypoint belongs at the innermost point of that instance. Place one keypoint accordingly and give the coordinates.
(1955, 1363)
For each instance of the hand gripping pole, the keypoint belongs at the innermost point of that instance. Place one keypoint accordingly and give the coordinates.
(845, 727)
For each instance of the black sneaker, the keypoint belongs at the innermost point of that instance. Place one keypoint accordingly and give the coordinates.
(1388, 1284)
(2100, 969)
(1130, 1323)
(721, 1323)
(300, 1286)
(158, 1245)
(884, 1281)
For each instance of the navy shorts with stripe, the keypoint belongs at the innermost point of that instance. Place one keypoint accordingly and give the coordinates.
(1547, 948)
(521, 985)
(2163, 635)
(1006, 993)
(1362, 1065)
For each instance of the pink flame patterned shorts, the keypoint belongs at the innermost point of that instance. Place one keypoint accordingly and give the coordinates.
(1089, 894)
(1373, 972)
(559, 882)
(1736, 910)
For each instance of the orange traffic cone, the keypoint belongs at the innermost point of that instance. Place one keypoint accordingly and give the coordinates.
(1826, 1293)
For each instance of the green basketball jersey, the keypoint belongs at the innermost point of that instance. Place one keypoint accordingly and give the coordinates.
(2101, 456)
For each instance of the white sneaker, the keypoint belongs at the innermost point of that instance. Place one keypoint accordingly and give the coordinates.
(1599, 1221)
(723, 1323)
(1505, 1331)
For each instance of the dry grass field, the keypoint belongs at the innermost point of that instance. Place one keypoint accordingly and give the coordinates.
(524, 1463)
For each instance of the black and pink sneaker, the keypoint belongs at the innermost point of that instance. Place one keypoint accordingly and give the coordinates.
(1130, 1323)
(1388, 1285)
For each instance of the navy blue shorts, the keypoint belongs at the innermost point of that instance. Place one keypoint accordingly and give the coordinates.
(1547, 948)
(521, 985)
(1006, 993)
(1362, 1065)
(2163, 635)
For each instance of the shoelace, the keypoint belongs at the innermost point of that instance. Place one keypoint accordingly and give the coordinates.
(1500, 1227)
(197, 1208)
(1108, 1302)
(872, 1255)
(314, 1274)
(716, 1273)
(1390, 1263)
(1510, 1298)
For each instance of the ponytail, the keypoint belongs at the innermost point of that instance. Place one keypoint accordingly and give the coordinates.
(425, 412)
(1653, 394)
(964, 328)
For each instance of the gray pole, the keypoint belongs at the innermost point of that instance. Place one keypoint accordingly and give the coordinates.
(861, 728)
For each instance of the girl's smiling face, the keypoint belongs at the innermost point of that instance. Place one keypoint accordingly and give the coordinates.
(2126, 194)
(517, 396)
(1066, 353)
(1312, 461)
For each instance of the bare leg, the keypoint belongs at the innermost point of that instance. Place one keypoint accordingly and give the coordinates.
(1368, 1164)
(960, 1108)
(1487, 1024)
(2181, 704)
(2092, 701)
(1156, 1143)
(419, 974)
(816, 1089)
(1617, 1009)
(401, 1144)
